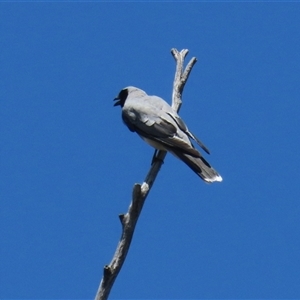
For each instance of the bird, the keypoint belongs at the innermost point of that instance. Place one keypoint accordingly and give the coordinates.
(159, 125)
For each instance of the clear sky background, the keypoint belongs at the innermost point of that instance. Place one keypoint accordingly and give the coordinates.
(68, 163)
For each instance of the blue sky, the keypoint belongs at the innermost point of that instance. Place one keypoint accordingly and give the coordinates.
(68, 164)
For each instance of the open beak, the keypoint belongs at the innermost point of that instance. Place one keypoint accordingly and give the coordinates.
(118, 102)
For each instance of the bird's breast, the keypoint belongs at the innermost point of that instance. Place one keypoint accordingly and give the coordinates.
(154, 144)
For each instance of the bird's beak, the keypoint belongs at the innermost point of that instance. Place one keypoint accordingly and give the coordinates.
(118, 102)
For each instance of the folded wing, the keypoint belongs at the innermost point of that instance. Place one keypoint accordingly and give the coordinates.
(154, 124)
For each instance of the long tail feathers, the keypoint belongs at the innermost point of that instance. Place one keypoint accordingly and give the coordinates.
(199, 165)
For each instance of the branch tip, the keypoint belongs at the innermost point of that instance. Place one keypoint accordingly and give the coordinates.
(175, 53)
(121, 217)
(184, 52)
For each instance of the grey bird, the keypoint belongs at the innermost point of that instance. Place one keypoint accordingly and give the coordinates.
(155, 121)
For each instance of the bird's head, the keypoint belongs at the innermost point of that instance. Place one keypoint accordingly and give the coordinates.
(121, 98)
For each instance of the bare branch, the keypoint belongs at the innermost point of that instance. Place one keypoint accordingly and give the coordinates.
(140, 192)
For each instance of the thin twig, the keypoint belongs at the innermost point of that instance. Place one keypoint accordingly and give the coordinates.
(140, 192)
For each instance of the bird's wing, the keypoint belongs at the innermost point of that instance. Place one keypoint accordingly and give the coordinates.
(164, 106)
(184, 128)
(153, 123)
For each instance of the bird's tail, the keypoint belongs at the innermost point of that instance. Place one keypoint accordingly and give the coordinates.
(199, 165)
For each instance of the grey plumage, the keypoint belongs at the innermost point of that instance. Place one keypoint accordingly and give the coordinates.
(154, 120)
